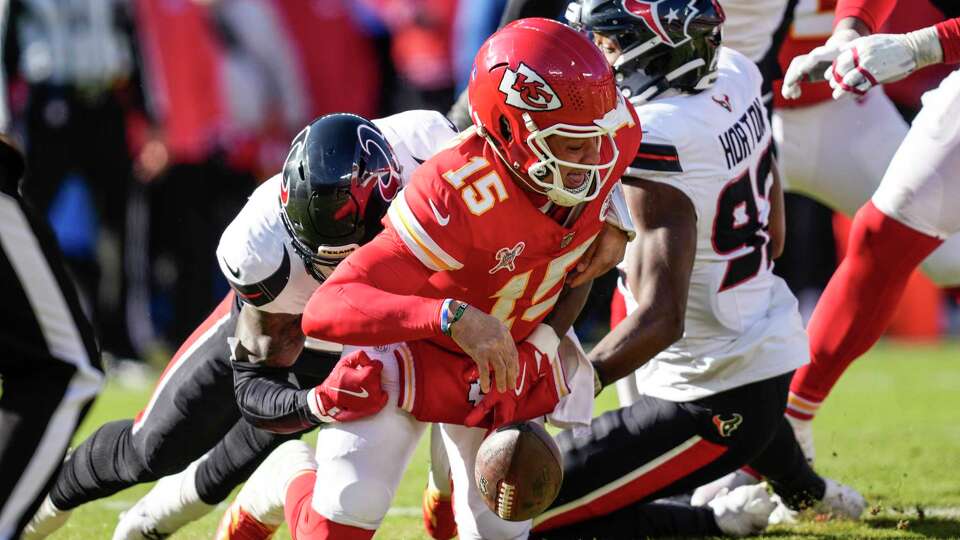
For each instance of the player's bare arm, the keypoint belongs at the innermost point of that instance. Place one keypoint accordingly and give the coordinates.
(666, 221)
(568, 308)
(271, 339)
(604, 254)
(778, 218)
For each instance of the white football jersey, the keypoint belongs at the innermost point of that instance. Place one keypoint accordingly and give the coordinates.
(742, 323)
(255, 253)
(750, 25)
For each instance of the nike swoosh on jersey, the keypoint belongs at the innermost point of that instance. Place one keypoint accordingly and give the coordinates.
(436, 213)
(523, 378)
(361, 395)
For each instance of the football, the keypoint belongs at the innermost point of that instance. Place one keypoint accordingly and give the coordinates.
(519, 471)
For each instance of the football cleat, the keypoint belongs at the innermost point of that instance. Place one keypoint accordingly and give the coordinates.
(172, 503)
(745, 510)
(48, 519)
(782, 514)
(238, 524)
(841, 500)
(803, 431)
(707, 492)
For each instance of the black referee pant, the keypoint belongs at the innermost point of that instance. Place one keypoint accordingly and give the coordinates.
(49, 361)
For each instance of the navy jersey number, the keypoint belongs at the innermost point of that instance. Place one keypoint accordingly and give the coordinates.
(738, 226)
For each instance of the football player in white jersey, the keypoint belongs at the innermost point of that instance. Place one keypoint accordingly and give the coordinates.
(715, 333)
(338, 179)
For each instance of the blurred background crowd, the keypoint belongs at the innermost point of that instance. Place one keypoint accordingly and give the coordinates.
(147, 123)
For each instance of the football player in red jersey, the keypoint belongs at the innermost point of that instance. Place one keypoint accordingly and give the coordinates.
(474, 257)
(913, 210)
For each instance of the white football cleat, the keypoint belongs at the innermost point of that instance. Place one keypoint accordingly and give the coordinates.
(745, 510)
(841, 500)
(707, 492)
(48, 519)
(803, 431)
(782, 514)
(172, 503)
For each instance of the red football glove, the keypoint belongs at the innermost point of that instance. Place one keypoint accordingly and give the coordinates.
(351, 391)
(536, 393)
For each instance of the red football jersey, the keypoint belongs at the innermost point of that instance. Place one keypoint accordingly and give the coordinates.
(466, 219)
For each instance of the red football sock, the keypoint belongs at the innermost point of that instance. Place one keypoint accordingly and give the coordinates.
(305, 523)
(237, 524)
(860, 299)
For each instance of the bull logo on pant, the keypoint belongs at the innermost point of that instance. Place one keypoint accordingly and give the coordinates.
(728, 426)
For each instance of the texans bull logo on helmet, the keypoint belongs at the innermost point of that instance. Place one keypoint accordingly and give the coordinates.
(668, 19)
(388, 180)
(295, 148)
(526, 89)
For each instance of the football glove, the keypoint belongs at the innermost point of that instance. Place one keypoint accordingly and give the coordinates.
(536, 393)
(811, 67)
(882, 58)
(351, 391)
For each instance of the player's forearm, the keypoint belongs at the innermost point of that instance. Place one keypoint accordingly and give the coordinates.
(355, 313)
(656, 323)
(568, 308)
(637, 339)
(865, 16)
(269, 402)
(271, 339)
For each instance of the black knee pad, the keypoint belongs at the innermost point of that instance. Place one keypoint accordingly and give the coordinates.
(102, 465)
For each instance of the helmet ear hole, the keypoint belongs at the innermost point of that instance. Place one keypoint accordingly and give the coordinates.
(505, 130)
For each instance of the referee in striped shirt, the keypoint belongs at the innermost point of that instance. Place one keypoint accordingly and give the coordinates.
(49, 359)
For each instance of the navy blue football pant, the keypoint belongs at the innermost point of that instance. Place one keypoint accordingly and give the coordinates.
(657, 448)
(192, 411)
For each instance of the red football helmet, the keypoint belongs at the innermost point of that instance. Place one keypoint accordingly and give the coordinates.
(535, 78)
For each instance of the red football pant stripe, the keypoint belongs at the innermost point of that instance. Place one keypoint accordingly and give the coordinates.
(653, 476)
(219, 312)
(860, 299)
(305, 523)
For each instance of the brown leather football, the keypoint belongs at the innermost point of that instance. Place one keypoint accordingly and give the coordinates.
(519, 471)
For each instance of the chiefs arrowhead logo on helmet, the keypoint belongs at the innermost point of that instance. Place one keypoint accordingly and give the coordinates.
(525, 89)
(668, 19)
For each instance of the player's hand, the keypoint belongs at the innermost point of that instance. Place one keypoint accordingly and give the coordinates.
(814, 66)
(605, 253)
(351, 391)
(882, 58)
(488, 342)
(536, 391)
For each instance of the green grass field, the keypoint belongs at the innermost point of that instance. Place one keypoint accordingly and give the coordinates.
(891, 429)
